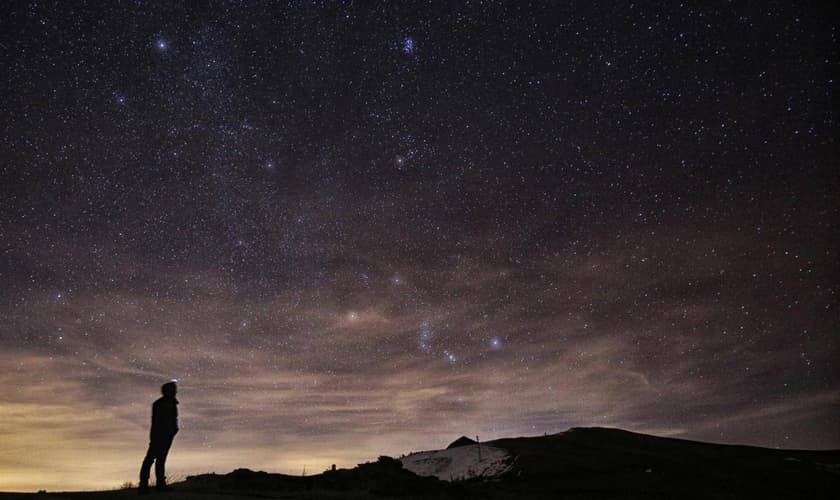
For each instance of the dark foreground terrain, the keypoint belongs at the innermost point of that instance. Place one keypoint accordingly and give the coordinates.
(584, 463)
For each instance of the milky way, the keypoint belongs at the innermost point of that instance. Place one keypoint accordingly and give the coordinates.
(351, 229)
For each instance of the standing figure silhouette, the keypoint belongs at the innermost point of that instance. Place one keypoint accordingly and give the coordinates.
(164, 428)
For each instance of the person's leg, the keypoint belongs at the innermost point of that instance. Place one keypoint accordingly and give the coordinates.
(146, 468)
(160, 463)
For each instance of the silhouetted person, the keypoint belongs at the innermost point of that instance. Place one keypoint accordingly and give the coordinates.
(164, 428)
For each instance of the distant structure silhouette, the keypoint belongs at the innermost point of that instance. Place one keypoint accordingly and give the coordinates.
(461, 441)
(164, 428)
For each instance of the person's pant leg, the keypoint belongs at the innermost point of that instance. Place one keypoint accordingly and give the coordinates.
(146, 468)
(161, 453)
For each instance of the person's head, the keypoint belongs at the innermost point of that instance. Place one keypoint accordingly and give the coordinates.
(169, 389)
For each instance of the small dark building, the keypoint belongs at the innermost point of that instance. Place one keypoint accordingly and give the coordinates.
(461, 441)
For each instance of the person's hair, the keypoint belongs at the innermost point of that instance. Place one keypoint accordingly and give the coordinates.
(167, 388)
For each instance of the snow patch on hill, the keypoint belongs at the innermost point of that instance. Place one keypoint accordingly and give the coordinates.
(459, 463)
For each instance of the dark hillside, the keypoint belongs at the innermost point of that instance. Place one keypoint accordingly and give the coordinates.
(382, 479)
(613, 462)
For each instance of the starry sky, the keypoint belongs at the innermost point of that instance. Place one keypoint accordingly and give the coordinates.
(361, 228)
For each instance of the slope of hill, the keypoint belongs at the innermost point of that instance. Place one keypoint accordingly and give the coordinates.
(459, 463)
(603, 462)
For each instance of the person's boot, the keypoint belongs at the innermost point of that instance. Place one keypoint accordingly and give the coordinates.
(143, 489)
(162, 486)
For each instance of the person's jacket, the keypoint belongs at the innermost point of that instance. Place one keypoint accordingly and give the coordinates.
(164, 418)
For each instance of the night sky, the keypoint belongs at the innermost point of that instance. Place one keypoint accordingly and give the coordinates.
(353, 228)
